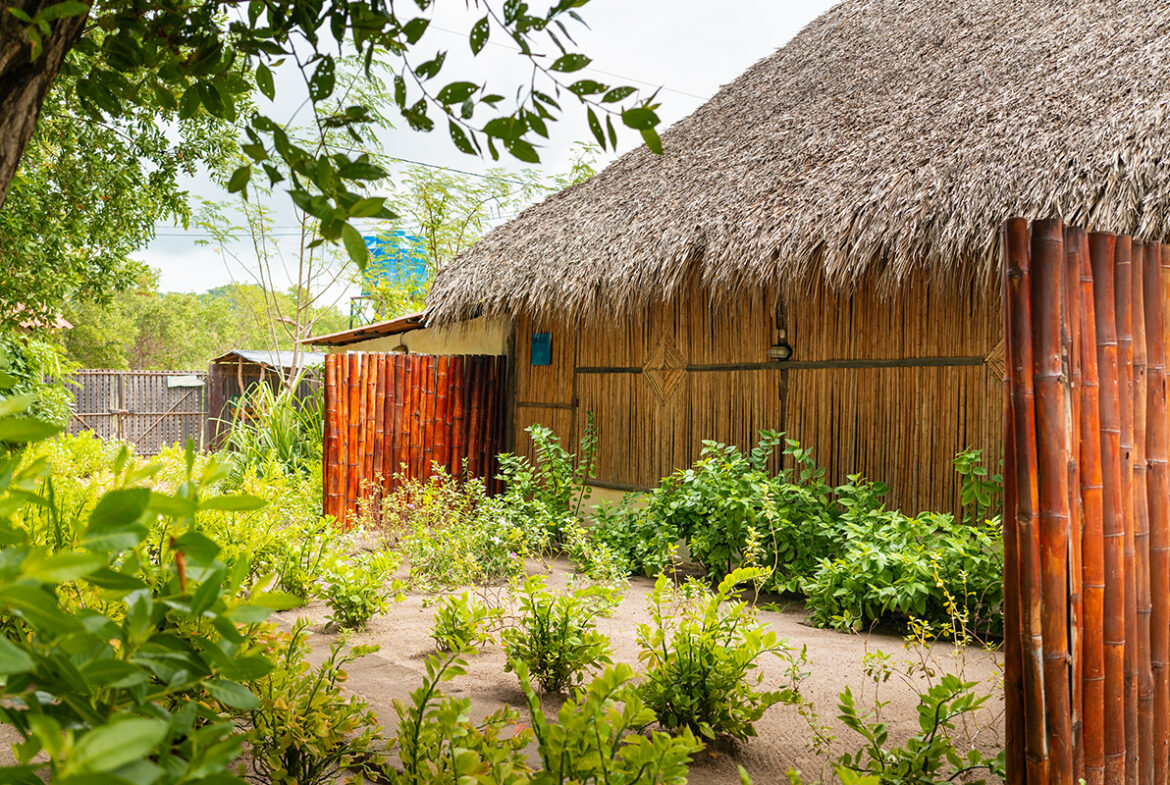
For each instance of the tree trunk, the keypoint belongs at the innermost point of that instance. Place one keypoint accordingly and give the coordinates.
(25, 82)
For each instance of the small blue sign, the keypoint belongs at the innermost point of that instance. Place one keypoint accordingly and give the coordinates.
(541, 353)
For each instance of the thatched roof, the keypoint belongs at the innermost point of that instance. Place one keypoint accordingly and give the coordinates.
(889, 136)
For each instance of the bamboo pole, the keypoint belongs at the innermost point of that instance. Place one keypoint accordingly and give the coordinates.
(389, 430)
(1092, 550)
(1141, 524)
(401, 415)
(1052, 459)
(456, 397)
(1124, 314)
(330, 446)
(1071, 328)
(500, 421)
(442, 412)
(342, 437)
(353, 472)
(428, 415)
(1019, 362)
(369, 418)
(1102, 250)
(380, 422)
(414, 362)
(1158, 496)
(472, 387)
(1013, 678)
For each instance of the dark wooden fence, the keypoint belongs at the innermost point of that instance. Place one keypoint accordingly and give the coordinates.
(1086, 527)
(149, 409)
(392, 415)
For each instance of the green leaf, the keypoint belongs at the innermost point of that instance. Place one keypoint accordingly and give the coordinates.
(231, 694)
(650, 136)
(355, 246)
(118, 509)
(570, 62)
(16, 404)
(264, 81)
(460, 138)
(617, 94)
(61, 567)
(323, 79)
(586, 87)
(479, 35)
(522, 150)
(639, 118)
(21, 430)
(595, 127)
(456, 92)
(415, 28)
(235, 503)
(13, 659)
(111, 746)
(198, 547)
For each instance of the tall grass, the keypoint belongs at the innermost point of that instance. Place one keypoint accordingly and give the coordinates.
(278, 427)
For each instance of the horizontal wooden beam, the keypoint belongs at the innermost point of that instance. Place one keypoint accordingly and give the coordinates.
(543, 405)
(617, 486)
(777, 365)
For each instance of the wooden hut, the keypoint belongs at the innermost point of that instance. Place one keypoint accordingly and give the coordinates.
(233, 374)
(817, 251)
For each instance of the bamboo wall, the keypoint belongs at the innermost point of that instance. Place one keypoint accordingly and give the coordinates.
(891, 388)
(393, 416)
(1087, 525)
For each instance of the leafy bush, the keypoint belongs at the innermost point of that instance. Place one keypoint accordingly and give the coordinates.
(438, 743)
(356, 589)
(928, 568)
(451, 532)
(701, 653)
(855, 562)
(278, 427)
(38, 369)
(594, 740)
(305, 728)
(556, 637)
(125, 643)
(556, 480)
(462, 622)
(929, 757)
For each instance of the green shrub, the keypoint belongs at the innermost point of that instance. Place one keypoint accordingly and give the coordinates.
(278, 427)
(556, 636)
(929, 757)
(595, 738)
(438, 743)
(452, 533)
(38, 369)
(701, 653)
(556, 479)
(928, 568)
(855, 561)
(306, 729)
(356, 589)
(125, 637)
(462, 622)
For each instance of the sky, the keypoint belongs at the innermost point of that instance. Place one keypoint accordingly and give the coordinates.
(688, 48)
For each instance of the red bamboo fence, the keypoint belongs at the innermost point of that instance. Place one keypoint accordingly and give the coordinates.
(393, 416)
(1087, 507)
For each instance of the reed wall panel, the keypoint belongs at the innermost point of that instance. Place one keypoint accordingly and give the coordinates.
(663, 381)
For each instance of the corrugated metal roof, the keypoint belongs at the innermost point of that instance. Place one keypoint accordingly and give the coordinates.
(402, 324)
(282, 359)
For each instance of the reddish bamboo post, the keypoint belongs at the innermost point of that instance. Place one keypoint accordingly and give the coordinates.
(428, 415)
(1052, 458)
(415, 443)
(342, 420)
(499, 420)
(370, 418)
(1102, 251)
(456, 398)
(1092, 550)
(380, 422)
(472, 385)
(401, 416)
(1123, 312)
(1158, 495)
(1013, 676)
(1072, 343)
(329, 459)
(353, 476)
(1141, 524)
(1019, 362)
(389, 429)
(442, 412)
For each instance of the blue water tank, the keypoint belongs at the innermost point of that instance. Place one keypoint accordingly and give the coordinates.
(396, 259)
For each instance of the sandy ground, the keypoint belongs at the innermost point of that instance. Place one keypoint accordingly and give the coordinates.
(836, 661)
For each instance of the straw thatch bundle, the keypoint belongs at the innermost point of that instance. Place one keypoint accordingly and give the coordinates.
(890, 136)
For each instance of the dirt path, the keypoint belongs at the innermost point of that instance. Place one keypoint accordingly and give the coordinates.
(836, 661)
